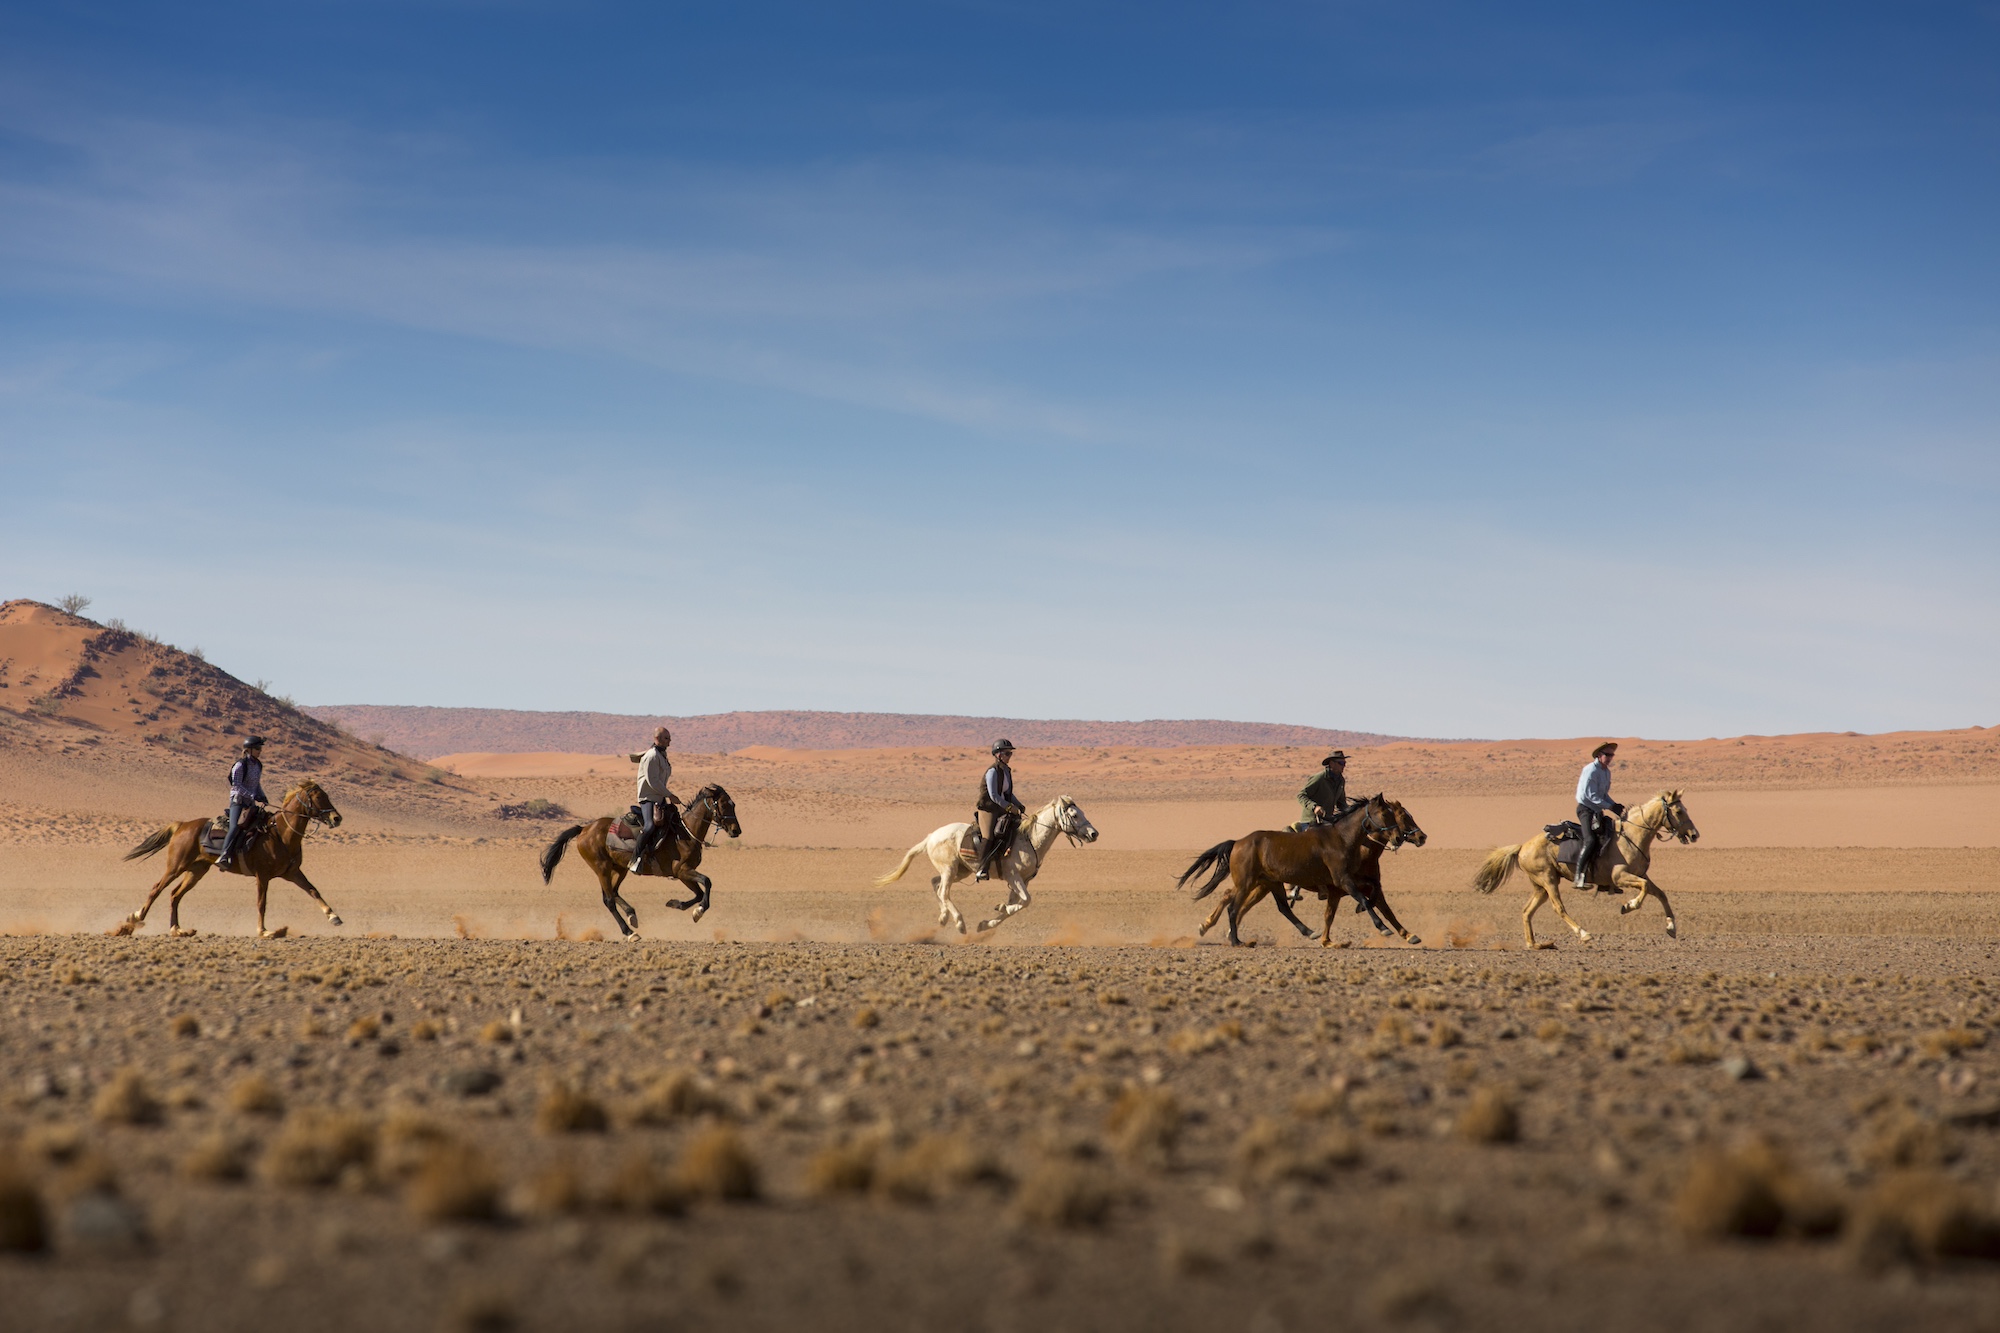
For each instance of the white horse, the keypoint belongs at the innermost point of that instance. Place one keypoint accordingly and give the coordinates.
(950, 850)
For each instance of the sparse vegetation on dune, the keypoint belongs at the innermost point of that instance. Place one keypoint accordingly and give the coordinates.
(1146, 1134)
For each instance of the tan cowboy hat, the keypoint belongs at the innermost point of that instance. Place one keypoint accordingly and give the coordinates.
(1609, 747)
(1337, 757)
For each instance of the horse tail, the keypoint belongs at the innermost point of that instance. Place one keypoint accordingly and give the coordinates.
(553, 852)
(896, 874)
(152, 844)
(1216, 857)
(1498, 867)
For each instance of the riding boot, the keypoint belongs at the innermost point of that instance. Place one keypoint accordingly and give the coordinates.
(996, 847)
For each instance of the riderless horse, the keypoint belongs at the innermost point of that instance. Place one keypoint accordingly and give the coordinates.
(678, 859)
(1620, 866)
(274, 853)
(950, 852)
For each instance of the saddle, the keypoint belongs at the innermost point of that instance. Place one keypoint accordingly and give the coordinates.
(253, 824)
(623, 835)
(1566, 841)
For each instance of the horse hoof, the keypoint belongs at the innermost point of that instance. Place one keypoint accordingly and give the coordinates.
(1584, 936)
(698, 913)
(277, 934)
(125, 927)
(1542, 944)
(1416, 939)
(333, 920)
(1673, 931)
(180, 932)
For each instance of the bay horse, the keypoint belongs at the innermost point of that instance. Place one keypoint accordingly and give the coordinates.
(950, 853)
(1620, 866)
(711, 807)
(275, 853)
(1402, 828)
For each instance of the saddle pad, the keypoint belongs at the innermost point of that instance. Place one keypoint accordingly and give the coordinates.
(1567, 851)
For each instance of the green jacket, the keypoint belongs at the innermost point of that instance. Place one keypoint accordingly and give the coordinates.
(1326, 790)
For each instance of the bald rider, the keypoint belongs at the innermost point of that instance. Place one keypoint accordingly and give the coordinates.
(1325, 795)
(1595, 808)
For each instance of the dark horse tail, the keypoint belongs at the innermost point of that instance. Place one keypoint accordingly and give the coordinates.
(152, 844)
(553, 852)
(1217, 858)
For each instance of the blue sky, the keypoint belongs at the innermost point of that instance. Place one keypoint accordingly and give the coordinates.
(1306, 363)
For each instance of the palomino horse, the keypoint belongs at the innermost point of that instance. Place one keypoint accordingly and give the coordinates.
(1325, 857)
(1622, 865)
(1402, 828)
(276, 853)
(711, 807)
(950, 851)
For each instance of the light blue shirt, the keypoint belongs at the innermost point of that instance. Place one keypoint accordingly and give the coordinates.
(1594, 787)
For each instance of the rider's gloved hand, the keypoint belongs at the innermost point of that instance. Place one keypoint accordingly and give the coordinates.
(1619, 808)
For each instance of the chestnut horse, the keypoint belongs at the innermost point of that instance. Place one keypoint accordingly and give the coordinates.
(711, 807)
(1322, 857)
(275, 853)
(1367, 869)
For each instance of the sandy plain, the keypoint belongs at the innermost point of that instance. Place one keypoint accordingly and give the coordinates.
(814, 1109)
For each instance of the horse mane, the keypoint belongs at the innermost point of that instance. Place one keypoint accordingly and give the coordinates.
(303, 784)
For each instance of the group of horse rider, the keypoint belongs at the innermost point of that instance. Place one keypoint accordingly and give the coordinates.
(998, 813)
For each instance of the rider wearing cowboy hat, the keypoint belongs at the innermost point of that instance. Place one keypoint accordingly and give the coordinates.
(246, 791)
(1325, 794)
(658, 806)
(1593, 804)
(998, 813)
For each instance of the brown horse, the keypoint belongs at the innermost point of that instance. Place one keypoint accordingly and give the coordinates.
(1367, 869)
(710, 807)
(275, 853)
(1323, 857)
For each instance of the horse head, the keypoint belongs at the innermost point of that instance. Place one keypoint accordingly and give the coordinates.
(1676, 819)
(722, 807)
(1403, 827)
(1070, 819)
(310, 799)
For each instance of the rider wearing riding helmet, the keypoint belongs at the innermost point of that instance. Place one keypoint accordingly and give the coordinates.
(658, 806)
(999, 814)
(1593, 805)
(246, 792)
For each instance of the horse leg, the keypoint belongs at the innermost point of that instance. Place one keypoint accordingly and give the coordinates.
(700, 884)
(1284, 901)
(1018, 899)
(193, 874)
(1556, 901)
(1389, 912)
(1535, 897)
(1215, 913)
(1646, 886)
(297, 875)
(263, 894)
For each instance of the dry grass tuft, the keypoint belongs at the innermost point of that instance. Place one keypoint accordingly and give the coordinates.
(316, 1147)
(254, 1095)
(405, 1143)
(497, 1033)
(1062, 1192)
(564, 1110)
(1922, 1215)
(126, 1101)
(219, 1156)
(1271, 1151)
(1689, 1050)
(424, 1030)
(454, 1184)
(555, 1191)
(843, 1167)
(1948, 1042)
(677, 1094)
(1753, 1190)
(865, 1017)
(365, 1028)
(931, 1166)
(1899, 1138)
(717, 1166)
(642, 1185)
(186, 1025)
(1145, 1124)
(1489, 1117)
(1445, 1036)
(23, 1222)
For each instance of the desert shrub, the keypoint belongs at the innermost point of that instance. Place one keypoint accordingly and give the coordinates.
(677, 1094)
(1145, 1124)
(1062, 1192)
(1489, 1117)
(1900, 1138)
(454, 1184)
(642, 1185)
(534, 808)
(316, 1146)
(846, 1166)
(1271, 1151)
(126, 1101)
(931, 1166)
(1922, 1215)
(565, 1110)
(717, 1166)
(1752, 1190)
(254, 1095)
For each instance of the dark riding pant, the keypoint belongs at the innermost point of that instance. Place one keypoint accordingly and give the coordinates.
(237, 810)
(996, 835)
(1596, 836)
(649, 831)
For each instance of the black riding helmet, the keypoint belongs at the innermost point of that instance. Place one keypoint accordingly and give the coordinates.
(253, 742)
(1003, 744)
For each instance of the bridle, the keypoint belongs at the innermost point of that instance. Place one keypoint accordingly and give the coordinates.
(1672, 820)
(307, 818)
(709, 798)
(1063, 822)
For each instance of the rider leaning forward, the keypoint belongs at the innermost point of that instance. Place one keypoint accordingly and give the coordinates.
(1594, 807)
(999, 814)
(658, 806)
(246, 792)
(1325, 795)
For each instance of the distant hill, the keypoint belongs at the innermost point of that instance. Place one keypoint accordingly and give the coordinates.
(69, 685)
(430, 732)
